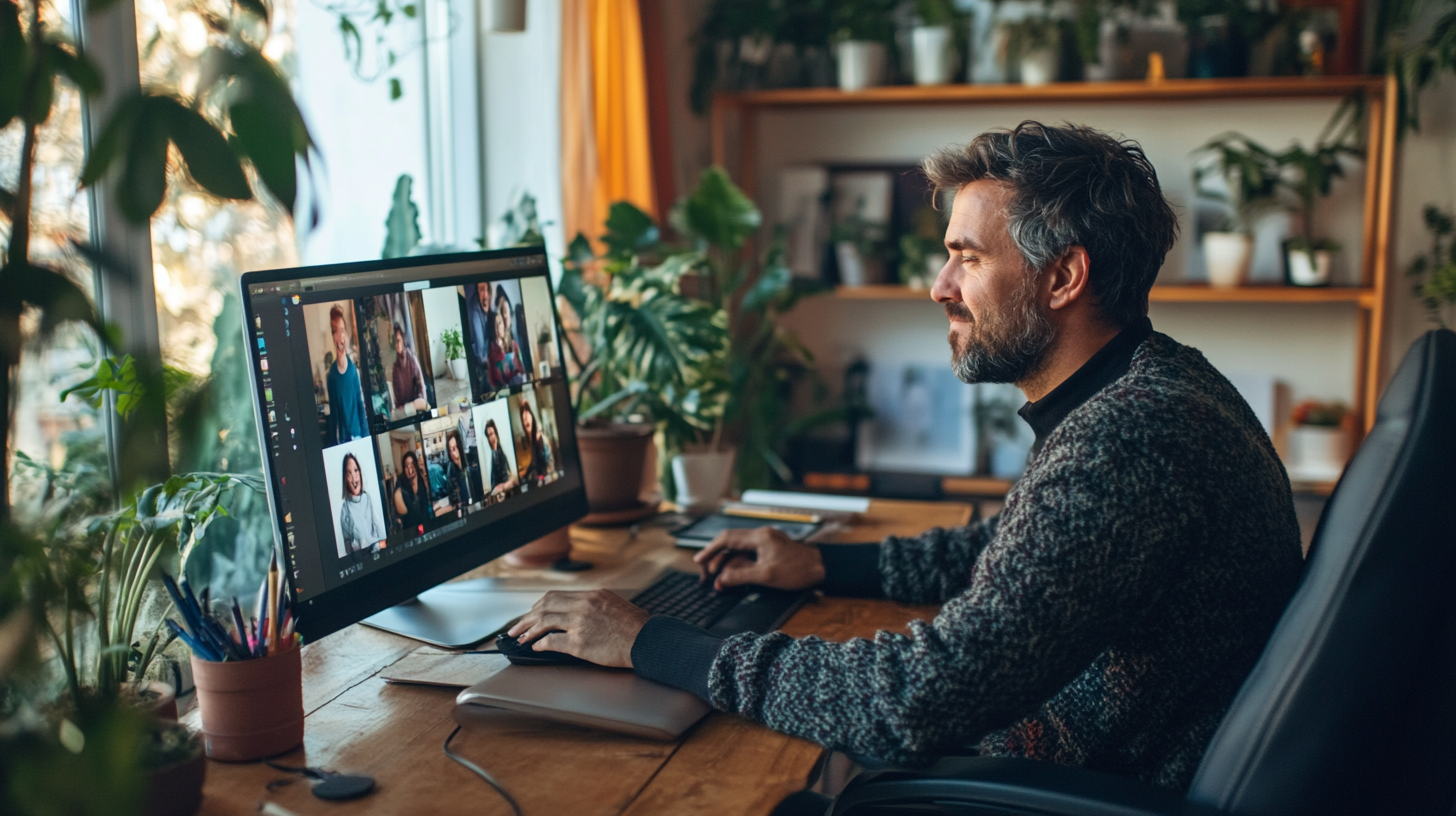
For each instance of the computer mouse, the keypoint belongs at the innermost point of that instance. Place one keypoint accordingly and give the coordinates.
(521, 654)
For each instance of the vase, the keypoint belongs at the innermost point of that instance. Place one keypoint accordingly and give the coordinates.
(861, 64)
(505, 16)
(250, 709)
(1039, 67)
(932, 48)
(1227, 255)
(1316, 453)
(1308, 268)
(457, 369)
(702, 479)
(612, 459)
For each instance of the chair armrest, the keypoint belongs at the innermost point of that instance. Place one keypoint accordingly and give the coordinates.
(1002, 785)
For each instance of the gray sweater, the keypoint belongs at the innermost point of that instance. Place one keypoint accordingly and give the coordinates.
(1105, 618)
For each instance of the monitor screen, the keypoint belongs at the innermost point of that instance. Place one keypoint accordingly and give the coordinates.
(415, 422)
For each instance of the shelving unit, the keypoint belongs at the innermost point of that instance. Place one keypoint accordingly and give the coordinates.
(736, 114)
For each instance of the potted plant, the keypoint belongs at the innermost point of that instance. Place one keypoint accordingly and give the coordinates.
(933, 41)
(643, 354)
(859, 249)
(454, 352)
(1308, 175)
(1435, 274)
(1319, 441)
(863, 31)
(1036, 42)
(1251, 183)
(922, 252)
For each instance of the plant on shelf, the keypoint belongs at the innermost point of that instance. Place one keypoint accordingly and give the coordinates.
(864, 33)
(936, 40)
(860, 249)
(1251, 184)
(1307, 175)
(454, 352)
(1434, 274)
(922, 252)
(1035, 42)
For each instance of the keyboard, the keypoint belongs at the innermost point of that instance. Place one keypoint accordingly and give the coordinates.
(730, 612)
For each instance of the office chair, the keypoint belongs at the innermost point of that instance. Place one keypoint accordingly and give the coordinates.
(1352, 706)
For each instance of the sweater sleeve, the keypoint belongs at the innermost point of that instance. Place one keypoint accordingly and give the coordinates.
(935, 565)
(1063, 575)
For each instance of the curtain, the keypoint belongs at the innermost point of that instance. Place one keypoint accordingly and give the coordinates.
(605, 141)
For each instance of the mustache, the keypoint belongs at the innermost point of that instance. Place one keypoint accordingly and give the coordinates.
(958, 311)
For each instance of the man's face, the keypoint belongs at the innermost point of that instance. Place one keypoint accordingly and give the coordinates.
(482, 294)
(399, 344)
(341, 339)
(999, 331)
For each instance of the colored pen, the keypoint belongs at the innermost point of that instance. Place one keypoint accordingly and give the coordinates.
(771, 515)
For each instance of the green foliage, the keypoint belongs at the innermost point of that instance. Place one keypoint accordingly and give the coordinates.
(454, 345)
(936, 12)
(1416, 59)
(1434, 274)
(736, 37)
(1250, 172)
(117, 377)
(1306, 174)
(717, 214)
(376, 17)
(402, 226)
(1033, 33)
(521, 224)
(863, 20)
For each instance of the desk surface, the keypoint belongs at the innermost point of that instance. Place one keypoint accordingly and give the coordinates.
(726, 765)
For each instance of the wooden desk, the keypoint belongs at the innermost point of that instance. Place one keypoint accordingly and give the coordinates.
(726, 765)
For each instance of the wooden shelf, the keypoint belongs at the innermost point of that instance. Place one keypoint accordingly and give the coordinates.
(1133, 91)
(1363, 297)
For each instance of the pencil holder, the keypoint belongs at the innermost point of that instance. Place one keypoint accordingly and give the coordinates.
(250, 709)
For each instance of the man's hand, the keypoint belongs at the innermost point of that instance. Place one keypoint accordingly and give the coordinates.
(599, 626)
(763, 556)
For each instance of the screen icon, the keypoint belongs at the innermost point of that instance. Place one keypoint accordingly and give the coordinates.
(264, 363)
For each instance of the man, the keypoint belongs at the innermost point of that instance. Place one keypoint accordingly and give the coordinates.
(1109, 614)
(479, 325)
(346, 398)
(409, 380)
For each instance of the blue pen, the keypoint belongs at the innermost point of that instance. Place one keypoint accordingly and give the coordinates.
(204, 652)
(179, 601)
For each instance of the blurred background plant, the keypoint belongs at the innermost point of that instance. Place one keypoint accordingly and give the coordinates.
(1434, 273)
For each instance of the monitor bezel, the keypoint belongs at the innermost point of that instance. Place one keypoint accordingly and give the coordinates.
(337, 608)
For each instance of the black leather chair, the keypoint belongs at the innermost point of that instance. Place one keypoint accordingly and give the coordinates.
(1351, 708)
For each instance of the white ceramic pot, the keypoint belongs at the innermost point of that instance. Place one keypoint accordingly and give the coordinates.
(1309, 271)
(861, 64)
(1039, 67)
(504, 16)
(854, 268)
(932, 47)
(1317, 453)
(702, 479)
(457, 368)
(1227, 255)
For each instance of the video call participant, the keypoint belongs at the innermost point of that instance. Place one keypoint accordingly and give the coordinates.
(463, 486)
(409, 380)
(358, 521)
(498, 470)
(412, 495)
(480, 328)
(346, 396)
(506, 366)
(1111, 612)
(542, 465)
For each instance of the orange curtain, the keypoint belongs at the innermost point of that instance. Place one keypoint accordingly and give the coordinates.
(605, 142)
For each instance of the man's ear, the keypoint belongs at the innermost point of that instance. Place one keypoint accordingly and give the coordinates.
(1068, 277)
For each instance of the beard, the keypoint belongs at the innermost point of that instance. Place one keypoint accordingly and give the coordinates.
(1008, 346)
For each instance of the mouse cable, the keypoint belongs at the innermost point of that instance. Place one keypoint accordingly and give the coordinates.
(478, 771)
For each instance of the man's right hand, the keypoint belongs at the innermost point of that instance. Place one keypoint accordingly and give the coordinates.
(763, 556)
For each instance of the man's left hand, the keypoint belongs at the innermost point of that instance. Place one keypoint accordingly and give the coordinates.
(599, 626)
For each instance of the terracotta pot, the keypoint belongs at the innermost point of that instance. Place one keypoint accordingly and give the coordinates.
(162, 703)
(612, 458)
(250, 709)
(176, 790)
(543, 552)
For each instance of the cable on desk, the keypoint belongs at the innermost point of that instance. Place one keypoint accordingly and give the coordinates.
(478, 771)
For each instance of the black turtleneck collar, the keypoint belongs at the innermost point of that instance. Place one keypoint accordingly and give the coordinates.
(1109, 363)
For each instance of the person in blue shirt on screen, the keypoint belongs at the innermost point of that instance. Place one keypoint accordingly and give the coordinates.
(479, 327)
(346, 398)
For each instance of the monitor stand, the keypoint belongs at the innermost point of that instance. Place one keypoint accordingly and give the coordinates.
(456, 615)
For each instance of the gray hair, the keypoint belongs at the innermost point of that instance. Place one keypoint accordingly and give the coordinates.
(1074, 186)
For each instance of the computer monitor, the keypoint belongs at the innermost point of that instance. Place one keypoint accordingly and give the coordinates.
(415, 423)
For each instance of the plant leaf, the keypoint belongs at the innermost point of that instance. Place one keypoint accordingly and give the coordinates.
(74, 66)
(14, 56)
(629, 230)
(257, 7)
(717, 212)
(45, 89)
(205, 151)
(143, 182)
(114, 139)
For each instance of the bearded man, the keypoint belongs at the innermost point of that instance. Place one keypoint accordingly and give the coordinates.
(1109, 614)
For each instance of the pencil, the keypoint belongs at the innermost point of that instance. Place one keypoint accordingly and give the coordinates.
(771, 515)
(272, 635)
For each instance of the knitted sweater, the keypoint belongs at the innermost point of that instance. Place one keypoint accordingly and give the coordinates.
(1105, 618)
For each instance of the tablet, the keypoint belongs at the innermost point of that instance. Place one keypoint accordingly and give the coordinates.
(700, 533)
